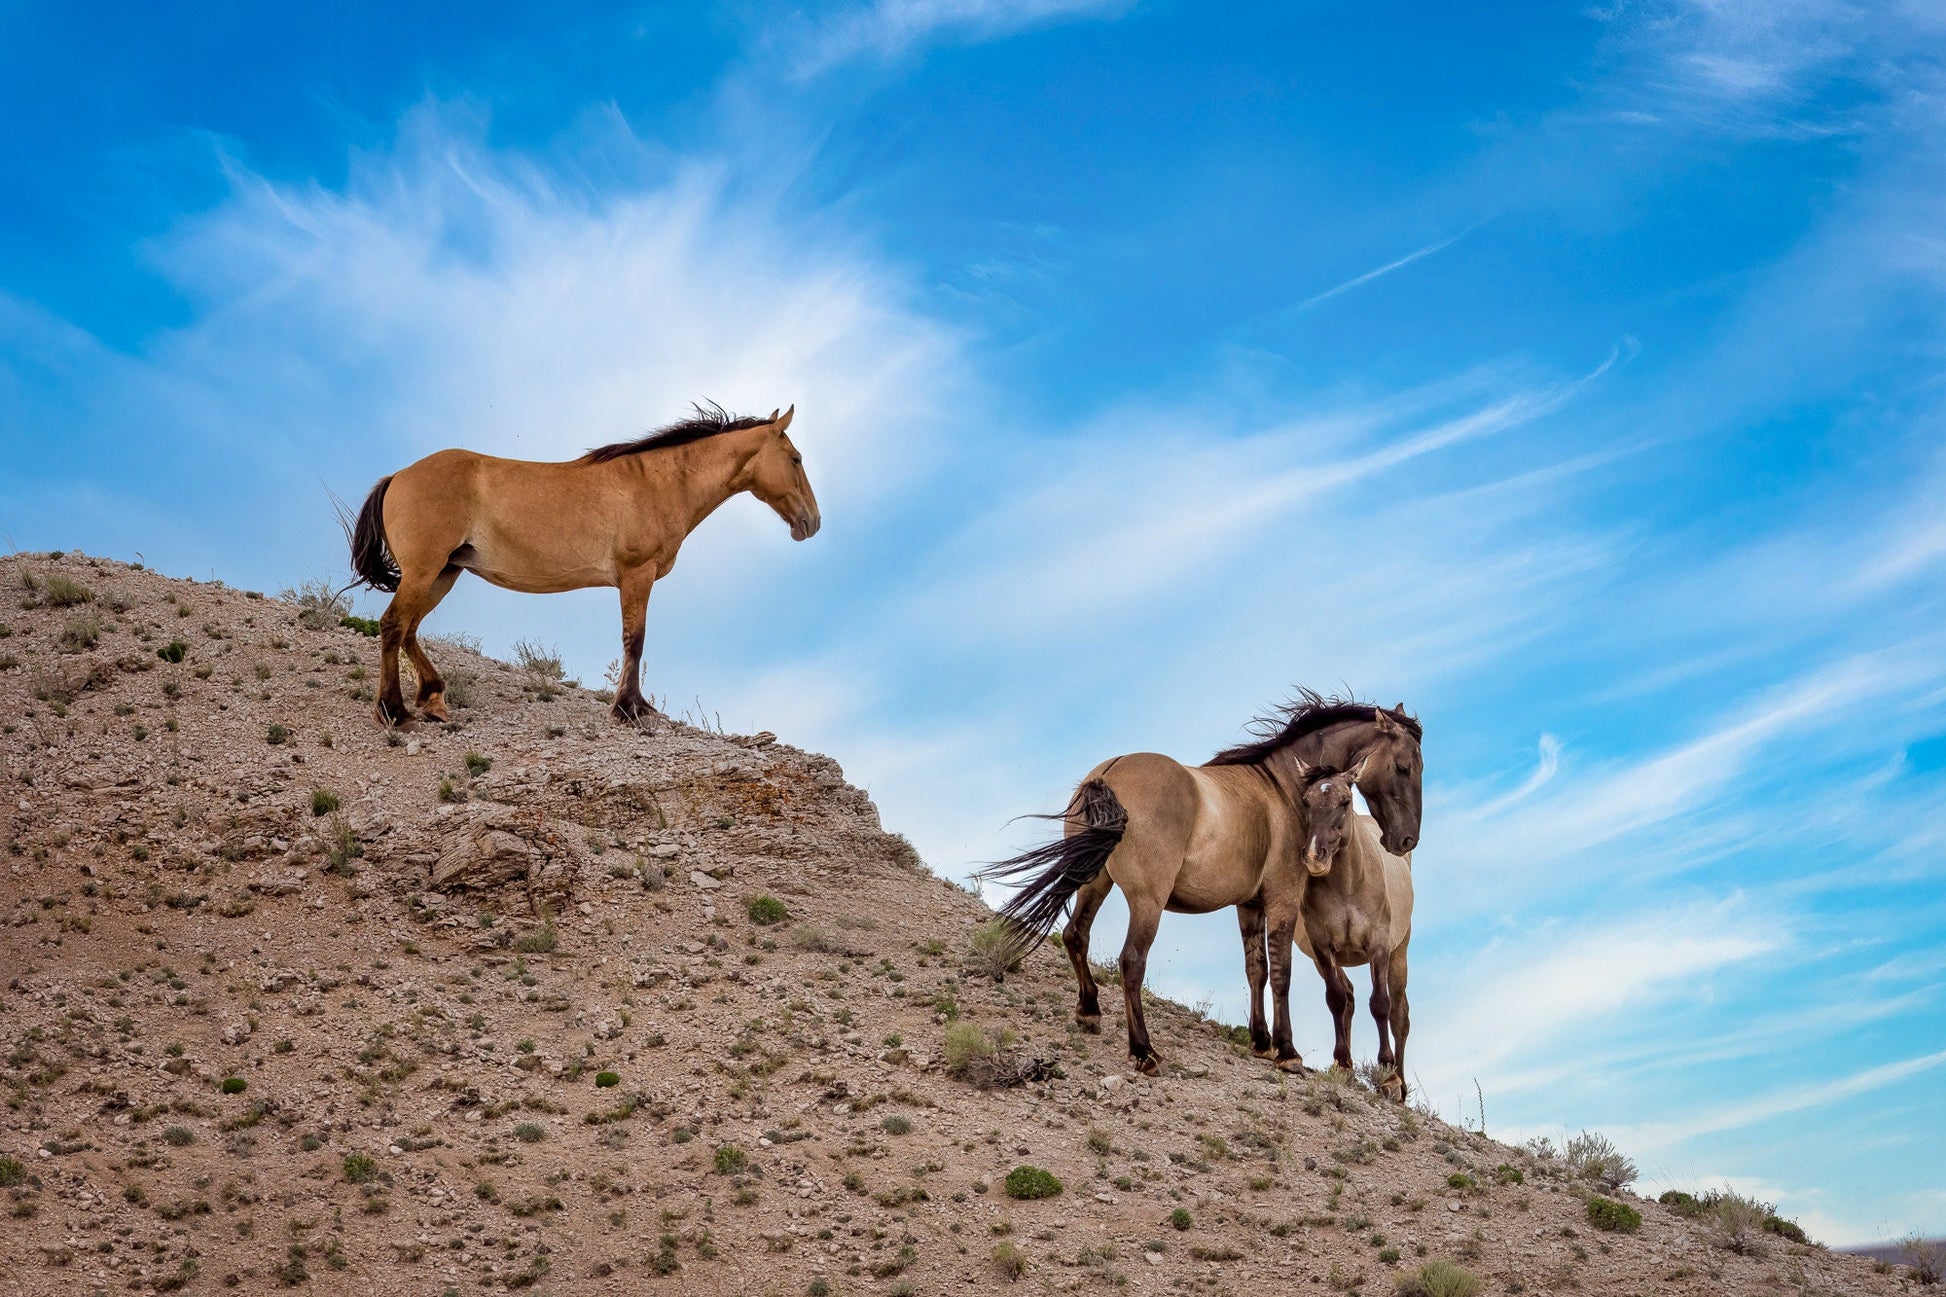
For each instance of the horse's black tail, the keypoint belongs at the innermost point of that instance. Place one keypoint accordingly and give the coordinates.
(1062, 867)
(370, 557)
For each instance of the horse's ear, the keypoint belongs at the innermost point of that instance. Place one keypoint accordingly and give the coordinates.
(1384, 718)
(783, 421)
(1304, 768)
(1357, 772)
(1398, 708)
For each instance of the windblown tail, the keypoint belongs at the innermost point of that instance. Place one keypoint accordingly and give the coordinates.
(370, 557)
(1062, 867)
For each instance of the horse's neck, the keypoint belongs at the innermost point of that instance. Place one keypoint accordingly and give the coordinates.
(1334, 746)
(705, 473)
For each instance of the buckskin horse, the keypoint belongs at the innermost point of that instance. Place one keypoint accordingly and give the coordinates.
(1194, 839)
(614, 517)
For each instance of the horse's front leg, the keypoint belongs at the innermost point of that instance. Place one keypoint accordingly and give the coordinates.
(1282, 929)
(1343, 1004)
(630, 706)
(1256, 970)
(1388, 1062)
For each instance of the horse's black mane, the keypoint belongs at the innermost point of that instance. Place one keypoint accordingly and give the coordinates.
(1310, 713)
(709, 420)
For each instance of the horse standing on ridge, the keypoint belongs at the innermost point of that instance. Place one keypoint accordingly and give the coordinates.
(614, 517)
(1346, 901)
(1194, 839)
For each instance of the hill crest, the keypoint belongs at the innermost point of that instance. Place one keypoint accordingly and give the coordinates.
(529, 1001)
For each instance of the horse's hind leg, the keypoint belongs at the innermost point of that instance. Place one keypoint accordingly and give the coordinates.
(1074, 939)
(390, 707)
(1256, 970)
(1144, 917)
(432, 687)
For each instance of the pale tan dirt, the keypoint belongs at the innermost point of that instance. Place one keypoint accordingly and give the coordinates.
(171, 919)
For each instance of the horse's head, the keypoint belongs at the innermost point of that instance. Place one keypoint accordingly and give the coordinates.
(1390, 775)
(1324, 799)
(775, 475)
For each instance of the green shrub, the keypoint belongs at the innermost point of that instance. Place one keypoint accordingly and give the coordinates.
(64, 591)
(363, 625)
(323, 801)
(1460, 1180)
(1683, 1204)
(896, 1125)
(361, 1168)
(12, 1172)
(730, 1160)
(766, 910)
(179, 1136)
(235, 1085)
(276, 735)
(477, 765)
(1615, 1217)
(1008, 1260)
(603, 1080)
(1507, 1173)
(1028, 1182)
(538, 941)
(1439, 1279)
(1593, 1157)
(81, 632)
(1180, 1218)
(530, 1132)
(1788, 1229)
(174, 651)
(994, 950)
(965, 1045)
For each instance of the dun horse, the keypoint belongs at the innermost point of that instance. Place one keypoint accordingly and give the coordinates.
(614, 517)
(1347, 901)
(1194, 839)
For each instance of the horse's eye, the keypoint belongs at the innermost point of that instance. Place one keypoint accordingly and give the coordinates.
(798, 460)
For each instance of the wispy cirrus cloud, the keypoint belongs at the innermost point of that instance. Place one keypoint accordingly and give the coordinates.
(1358, 281)
(889, 29)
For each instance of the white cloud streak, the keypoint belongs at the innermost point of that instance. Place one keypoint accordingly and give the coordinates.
(890, 29)
(1386, 269)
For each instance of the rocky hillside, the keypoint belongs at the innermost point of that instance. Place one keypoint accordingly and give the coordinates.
(530, 1002)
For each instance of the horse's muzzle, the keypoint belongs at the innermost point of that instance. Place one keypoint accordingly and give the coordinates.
(806, 526)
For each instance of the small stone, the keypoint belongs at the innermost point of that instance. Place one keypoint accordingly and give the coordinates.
(704, 881)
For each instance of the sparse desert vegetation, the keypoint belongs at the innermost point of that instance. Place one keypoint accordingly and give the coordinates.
(280, 1017)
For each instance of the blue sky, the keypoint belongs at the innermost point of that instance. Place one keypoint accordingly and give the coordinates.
(1570, 374)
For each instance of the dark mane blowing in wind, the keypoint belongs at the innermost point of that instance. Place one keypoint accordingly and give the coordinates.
(1310, 713)
(709, 420)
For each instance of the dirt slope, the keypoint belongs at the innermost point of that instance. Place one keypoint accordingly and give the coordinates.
(219, 873)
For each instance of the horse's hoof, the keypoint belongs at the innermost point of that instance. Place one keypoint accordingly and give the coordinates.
(391, 715)
(1264, 1051)
(1090, 1023)
(434, 709)
(631, 711)
(1150, 1066)
(1294, 1066)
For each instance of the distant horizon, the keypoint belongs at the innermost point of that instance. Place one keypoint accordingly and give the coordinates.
(1569, 376)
